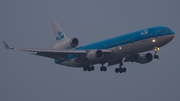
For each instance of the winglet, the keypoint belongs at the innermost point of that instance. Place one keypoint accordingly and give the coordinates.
(6, 45)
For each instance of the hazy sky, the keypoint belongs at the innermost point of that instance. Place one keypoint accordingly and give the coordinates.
(27, 24)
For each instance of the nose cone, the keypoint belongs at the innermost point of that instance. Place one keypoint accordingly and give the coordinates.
(166, 38)
(171, 36)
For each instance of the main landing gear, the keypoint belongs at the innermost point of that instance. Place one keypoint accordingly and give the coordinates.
(156, 49)
(103, 68)
(120, 69)
(91, 68)
(88, 68)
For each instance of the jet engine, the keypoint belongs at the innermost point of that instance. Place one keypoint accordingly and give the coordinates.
(145, 58)
(67, 44)
(140, 58)
(94, 55)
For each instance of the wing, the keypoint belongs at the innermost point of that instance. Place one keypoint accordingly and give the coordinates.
(55, 54)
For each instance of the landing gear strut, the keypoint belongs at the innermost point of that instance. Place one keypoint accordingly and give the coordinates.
(120, 69)
(156, 49)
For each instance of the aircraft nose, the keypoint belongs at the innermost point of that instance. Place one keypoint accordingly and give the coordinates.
(171, 36)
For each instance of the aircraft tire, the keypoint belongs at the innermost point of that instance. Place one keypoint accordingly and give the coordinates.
(124, 69)
(84, 68)
(103, 68)
(120, 70)
(92, 68)
(116, 70)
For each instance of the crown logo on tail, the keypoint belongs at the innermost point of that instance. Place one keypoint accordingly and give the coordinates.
(60, 36)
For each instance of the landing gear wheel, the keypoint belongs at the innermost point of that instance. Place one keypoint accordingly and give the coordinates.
(124, 69)
(103, 68)
(156, 49)
(117, 70)
(84, 68)
(120, 70)
(88, 68)
(92, 68)
(156, 56)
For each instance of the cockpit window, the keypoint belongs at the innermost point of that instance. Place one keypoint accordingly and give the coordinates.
(164, 30)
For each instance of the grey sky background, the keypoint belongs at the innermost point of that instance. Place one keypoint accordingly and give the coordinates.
(27, 24)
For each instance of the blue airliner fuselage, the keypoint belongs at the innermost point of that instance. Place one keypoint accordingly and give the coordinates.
(125, 45)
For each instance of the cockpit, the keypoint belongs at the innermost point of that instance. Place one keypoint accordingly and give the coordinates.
(166, 31)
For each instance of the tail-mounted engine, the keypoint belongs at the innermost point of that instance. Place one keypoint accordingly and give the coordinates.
(74, 42)
(67, 44)
(140, 58)
(94, 55)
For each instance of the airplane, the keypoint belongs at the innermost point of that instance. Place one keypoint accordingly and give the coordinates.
(131, 47)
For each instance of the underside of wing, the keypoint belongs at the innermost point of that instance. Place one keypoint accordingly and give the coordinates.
(59, 54)
(55, 54)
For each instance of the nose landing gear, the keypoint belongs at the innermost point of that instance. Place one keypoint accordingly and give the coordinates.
(156, 49)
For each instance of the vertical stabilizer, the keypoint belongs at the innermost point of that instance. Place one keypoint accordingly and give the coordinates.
(59, 34)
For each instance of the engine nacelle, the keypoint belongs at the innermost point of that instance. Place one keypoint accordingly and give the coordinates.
(94, 55)
(74, 42)
(145, 58)
(70, 43)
